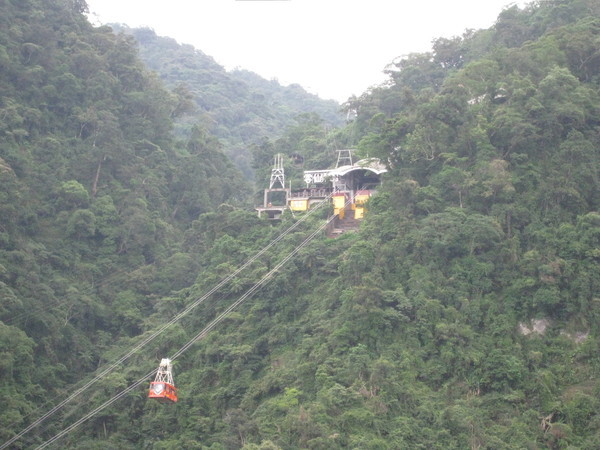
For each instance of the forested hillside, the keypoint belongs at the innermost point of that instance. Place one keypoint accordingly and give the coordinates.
(239, 107)
(463, 314)
(95, 196)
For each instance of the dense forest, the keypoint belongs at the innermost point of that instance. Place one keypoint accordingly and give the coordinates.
(464, 313)
(239, 107)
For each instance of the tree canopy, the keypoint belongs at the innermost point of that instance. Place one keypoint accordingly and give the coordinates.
(463, 314)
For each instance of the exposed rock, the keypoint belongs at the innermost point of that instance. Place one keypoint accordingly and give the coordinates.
(537, 326)
(578, 336)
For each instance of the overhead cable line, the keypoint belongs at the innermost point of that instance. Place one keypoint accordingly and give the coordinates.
(164, 327)
(121, 394)
(265, 279)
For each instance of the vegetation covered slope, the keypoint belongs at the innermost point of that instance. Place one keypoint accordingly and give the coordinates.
(239, 107)
(95, 193)
(464, 314)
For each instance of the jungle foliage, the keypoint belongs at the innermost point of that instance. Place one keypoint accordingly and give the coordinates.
(238, 106)
(463, 314)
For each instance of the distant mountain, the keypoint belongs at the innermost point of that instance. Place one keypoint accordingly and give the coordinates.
(239, 107)
(463, 313)
(94, 190)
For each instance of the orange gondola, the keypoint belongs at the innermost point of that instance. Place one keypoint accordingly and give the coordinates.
(163, 388)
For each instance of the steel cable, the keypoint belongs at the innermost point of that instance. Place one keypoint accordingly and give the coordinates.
(267, 277)
(164, 327)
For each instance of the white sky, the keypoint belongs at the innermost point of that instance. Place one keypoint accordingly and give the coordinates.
(333, 48)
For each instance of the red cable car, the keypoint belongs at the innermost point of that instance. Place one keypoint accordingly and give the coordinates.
(163, 388)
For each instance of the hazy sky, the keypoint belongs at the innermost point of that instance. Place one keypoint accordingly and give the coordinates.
(334, 48)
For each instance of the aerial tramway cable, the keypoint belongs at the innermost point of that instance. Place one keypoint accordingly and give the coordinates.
(250, 291)
(266, 278)
(92, 413)
(163, 328)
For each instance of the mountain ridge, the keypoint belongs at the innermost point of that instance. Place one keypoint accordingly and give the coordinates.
(463, 313)
(240, 107)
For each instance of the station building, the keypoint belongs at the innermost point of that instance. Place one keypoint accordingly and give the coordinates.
(348, 186)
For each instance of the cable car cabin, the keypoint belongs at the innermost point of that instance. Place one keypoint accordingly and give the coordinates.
(163, 388)
(163, 392)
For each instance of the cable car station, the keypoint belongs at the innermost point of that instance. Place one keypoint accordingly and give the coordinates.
(349, 185)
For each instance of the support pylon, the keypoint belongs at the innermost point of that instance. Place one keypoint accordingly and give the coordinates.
(344, 158)
(277, 174)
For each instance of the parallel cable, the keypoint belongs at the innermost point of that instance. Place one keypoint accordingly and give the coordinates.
(266, 278)
(164, 327)
(97, 410)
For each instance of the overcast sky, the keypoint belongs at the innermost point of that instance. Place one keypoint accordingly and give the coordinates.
(333, 48)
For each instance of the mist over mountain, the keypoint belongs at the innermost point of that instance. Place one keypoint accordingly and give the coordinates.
(239, 107)
(463, 313)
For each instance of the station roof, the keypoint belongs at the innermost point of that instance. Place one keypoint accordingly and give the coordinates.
(371, 164)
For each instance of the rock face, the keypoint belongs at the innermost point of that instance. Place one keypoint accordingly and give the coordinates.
(539, 326)
(578, 336)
